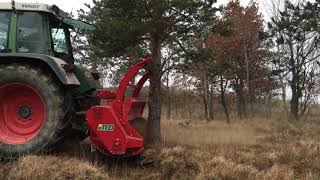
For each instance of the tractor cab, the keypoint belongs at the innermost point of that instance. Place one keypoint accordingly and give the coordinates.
(37, 28)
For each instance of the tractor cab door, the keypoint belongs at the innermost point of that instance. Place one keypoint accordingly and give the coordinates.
(32, 33)
(60, 39)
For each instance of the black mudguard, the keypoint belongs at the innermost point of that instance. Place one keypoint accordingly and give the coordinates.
(44, 61)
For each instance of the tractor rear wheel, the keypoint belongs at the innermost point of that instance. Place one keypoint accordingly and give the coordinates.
(31, 116)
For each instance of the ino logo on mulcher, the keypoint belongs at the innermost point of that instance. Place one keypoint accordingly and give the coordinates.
(106, 127)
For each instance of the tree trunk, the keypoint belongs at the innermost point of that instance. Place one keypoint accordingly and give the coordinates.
(188, 102)
(241, 103)
(176, 102)
(206, 98)
(294, 102)
(223, 99)
(294, 83)
(283, 85)
(168, 97)
(211, 96)
(249, 90)
(154, 128)
(294, 105)
(205, 106)
(269, 104)
(184, 99)
(283, 94)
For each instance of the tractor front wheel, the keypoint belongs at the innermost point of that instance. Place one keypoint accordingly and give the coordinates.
(30, 110)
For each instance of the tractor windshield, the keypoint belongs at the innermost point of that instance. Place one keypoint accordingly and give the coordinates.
(4, 29)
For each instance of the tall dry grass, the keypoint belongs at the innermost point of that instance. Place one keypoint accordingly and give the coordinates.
(265, 146)
(51, 167)
(247, 149)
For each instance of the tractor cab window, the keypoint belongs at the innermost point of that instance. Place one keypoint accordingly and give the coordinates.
(30, 33)
(4, 29)
(59, 41)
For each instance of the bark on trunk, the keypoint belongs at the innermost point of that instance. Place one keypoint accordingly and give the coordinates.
(188, 103)
(168, 98)
(241, 103)
(205, 106)
(207, 99)
(294, 84)
(294, 102)
(211, 96)
(154, 129)
(249, 90)
(284, 94)
(223, 99)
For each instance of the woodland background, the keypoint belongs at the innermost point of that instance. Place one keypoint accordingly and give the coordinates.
(231, 96)
(228, 61)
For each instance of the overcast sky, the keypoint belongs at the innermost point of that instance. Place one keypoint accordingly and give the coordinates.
(74, 5)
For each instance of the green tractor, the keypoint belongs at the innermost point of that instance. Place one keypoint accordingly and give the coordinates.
(42, 91)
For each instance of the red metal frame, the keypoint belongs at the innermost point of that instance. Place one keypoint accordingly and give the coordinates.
(128, 77)
(109, 125)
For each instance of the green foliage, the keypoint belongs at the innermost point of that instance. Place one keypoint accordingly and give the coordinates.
(127, 29)
(296, 20)
(296, 36)
(125, 26)
(197, 58)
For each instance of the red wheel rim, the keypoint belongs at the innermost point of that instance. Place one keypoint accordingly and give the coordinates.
(22, 113)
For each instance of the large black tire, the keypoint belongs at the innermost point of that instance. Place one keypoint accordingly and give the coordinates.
(52, 98)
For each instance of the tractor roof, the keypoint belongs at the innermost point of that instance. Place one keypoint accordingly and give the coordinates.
(63, 16)
(33, 7)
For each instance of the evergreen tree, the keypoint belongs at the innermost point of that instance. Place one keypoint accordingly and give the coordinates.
(139, 27)
(296, 30)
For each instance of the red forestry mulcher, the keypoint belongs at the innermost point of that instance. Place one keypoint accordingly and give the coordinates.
(109, 124)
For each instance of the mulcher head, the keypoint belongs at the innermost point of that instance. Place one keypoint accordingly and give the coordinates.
(111, 128)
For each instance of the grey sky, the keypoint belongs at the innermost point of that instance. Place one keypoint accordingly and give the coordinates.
(73, 5)
(65, 5)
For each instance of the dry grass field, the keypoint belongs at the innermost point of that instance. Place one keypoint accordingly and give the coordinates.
(247, 149)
